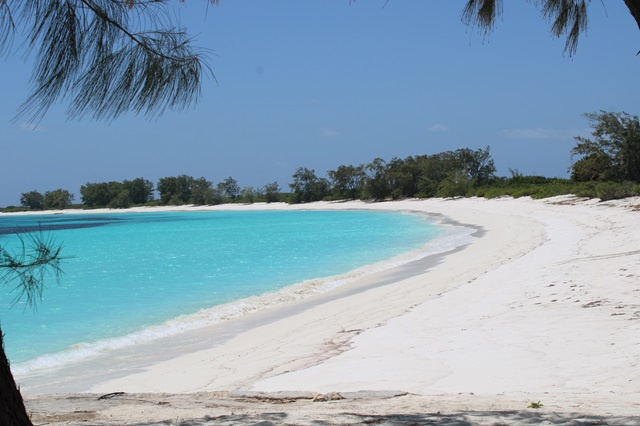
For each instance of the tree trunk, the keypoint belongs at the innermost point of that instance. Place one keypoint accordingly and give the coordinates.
(634, 8)
(12, 409)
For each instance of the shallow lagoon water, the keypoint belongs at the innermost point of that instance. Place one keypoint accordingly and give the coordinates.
(127, 272)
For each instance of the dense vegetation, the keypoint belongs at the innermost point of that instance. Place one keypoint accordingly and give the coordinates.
(607, 166)
(614, 152)
(51, 200)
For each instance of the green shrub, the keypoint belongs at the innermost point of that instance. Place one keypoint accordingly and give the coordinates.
(455, 185)
(13, 209)
(120, 201)
(553, 187)
(176, 201)
(494, 192)
(614, 190)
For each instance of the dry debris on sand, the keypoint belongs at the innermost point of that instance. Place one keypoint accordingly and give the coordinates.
(299, 408)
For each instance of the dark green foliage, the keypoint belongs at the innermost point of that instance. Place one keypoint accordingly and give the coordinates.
(402, 177)
(213, 196)
(33, 200)
(538, 187)
(613, 153)
(428, 175)
(459, 173)
(140, 190)
(117, 195)
(250, 195)
(347, 182)
(522, 186)
(593, 167)
(184, 189)
(477, 165)
(122, 200)
(95, 194)
(271, 192)
(175, 200)
(13, 209)
(99, 194)
(307, 187)
(57, 200)
(199, 191)
(322, 189)
(456, 184)
(230, 188)
(377, 184)
(518, 178)
(433, 170)
(616, 190)
(175, 190)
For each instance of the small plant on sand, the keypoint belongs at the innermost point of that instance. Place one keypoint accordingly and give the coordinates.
(536, 405)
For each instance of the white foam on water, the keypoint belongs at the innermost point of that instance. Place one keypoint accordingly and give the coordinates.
(451, 237)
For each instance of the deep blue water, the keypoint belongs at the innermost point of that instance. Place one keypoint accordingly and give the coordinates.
(124, 272)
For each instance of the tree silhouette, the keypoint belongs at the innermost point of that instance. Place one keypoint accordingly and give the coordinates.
(105, 57)
(568, 17)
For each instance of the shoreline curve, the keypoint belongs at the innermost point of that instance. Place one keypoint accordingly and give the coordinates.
(544, 307)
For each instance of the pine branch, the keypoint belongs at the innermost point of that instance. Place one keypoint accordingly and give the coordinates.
(38, 257)
(568, 17)
(105, 57)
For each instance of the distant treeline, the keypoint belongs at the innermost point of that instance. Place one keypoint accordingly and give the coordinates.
(607, 167)
(445, 174)
(172, 190)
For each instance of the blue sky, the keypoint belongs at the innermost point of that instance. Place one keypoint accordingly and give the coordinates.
(323, 83)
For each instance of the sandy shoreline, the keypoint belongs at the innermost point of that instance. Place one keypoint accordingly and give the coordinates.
(64, 372)
(544, 307)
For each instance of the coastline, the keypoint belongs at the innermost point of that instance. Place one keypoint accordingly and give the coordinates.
(544, 307)
(194, 328)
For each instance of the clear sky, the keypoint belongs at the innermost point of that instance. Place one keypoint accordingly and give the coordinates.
(321, 83)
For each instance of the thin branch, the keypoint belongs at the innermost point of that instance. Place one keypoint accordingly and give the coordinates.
(107, 57)
(568, 17)
(37, 257)
(99, 12)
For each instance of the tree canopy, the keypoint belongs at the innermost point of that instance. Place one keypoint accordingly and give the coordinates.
(57, 199)
(568, 18)
(32, 200)
(307, 187)
(105, 57)
(613, 153)
(117, 194)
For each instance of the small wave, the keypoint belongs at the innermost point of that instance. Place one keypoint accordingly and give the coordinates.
(452, 237)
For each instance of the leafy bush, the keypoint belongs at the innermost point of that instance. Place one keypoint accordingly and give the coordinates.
(456, 184)
(13, 209)
(120, 201)
(614, 151)
(176, 201)
(614, 191)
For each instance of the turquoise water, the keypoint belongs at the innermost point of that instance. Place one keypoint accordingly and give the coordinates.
(126, 272)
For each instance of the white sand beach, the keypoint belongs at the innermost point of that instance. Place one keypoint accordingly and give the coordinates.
(543, 306)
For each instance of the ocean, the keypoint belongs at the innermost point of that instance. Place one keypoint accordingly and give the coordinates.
(131, 277)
